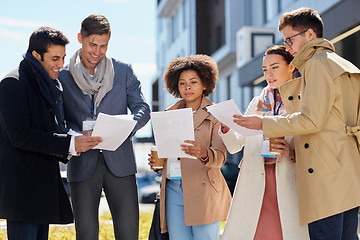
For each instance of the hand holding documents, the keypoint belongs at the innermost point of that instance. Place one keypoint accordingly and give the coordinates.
(114, 129)
(171, 129)
(225, 111)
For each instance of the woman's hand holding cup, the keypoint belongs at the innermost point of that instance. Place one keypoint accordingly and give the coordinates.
(151, 163)
(281, 148)
(155, 162)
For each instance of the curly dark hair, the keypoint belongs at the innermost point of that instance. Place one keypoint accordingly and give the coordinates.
(203, 65)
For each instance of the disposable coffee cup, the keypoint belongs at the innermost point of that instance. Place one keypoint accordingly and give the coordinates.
(159, 163)
(271, 148)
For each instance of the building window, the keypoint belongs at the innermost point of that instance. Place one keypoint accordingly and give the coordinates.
(272, 8)
(218, 37)
(228, 87)
(184, 14)
(169, 31)
(260, 41)
(160, 23)
(257, 90)
(175, 26)
(217, 94)
(246, 98)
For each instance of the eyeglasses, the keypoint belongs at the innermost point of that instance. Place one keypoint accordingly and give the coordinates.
(288, 41)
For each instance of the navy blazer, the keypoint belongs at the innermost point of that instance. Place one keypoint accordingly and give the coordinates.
(125, 94)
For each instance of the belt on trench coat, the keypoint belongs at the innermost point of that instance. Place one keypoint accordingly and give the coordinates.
(354, 131)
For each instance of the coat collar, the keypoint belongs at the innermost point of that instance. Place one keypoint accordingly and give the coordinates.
(200, 115)
(311, 49)
(40, 77)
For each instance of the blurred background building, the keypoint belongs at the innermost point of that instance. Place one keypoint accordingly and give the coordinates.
(236, 33)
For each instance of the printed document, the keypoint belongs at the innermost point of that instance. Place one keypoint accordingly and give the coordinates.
(225, 111)
(171, 129)
(114, 130)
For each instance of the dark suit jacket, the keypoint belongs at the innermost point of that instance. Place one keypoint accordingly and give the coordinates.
(125, 94)
(30, 150)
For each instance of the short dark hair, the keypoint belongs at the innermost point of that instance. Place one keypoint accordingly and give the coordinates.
(43, 37)
(280, 50)
(302, 19)
(95, 24)
(203, 65)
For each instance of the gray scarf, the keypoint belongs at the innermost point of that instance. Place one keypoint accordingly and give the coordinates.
(103, 79)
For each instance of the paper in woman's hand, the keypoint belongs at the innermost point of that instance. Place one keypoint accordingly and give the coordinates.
(225, 111)
(171, 129)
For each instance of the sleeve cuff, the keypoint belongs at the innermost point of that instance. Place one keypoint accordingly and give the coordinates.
(72, 150)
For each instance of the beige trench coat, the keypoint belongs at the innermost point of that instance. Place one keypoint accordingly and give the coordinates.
(327, 158)
(250, 187)
(206, 195)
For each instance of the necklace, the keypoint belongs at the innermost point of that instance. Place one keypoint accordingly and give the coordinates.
(193, 112)
(196, 110)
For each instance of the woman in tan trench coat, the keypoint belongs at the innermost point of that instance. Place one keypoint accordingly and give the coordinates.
(192, 207)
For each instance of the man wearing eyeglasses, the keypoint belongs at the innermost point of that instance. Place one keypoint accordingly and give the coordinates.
(325, 126)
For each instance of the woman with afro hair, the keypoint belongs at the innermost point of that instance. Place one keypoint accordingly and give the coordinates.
(193, 206)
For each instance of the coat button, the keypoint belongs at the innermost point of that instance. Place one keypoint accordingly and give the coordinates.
(290, 98)
(306, 145)
(214, 181)
(299, 96)
(248, 171)
(310, 170)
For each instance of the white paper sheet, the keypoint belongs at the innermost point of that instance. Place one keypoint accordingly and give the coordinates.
(225, 111)
(114, 130)
(171, 129)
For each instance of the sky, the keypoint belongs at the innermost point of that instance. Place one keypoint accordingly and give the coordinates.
(132, 32)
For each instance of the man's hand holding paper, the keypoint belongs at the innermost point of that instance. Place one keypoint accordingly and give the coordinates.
(250, 122)
(225, 113)
(114, 129)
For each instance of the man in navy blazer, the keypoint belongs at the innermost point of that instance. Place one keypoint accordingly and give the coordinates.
(93, 83)
(33, 141)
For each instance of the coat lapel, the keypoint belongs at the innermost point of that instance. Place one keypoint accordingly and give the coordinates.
(290, 93)
(202, 113)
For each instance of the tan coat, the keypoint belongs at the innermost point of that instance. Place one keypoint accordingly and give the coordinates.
(250, 187)
(206, 195)
(327, 158)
